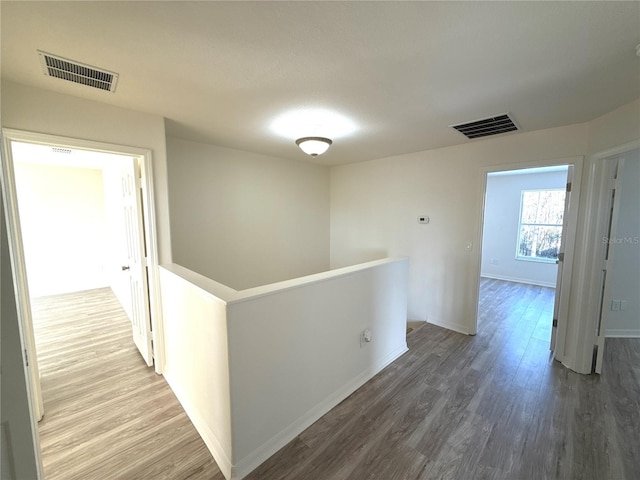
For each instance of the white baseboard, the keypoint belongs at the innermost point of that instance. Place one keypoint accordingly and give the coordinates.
(266, 450)
(519, 280)
(209, 437)
(455, 326)
(623, 333)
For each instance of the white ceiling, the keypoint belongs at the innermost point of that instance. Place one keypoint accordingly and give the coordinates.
(401, 72)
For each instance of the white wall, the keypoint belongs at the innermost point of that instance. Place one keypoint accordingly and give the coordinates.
(624, 273)
(500, 231)
(62, 217)
(245, 219)
(374, 206)
(615, 128)
(35, 110)
(254, 368)
(197, 356)
(295, 350)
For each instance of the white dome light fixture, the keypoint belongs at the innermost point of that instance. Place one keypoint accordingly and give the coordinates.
(314, 146)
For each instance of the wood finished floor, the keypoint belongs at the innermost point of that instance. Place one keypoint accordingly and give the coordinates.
(107, 415)
(493, 406)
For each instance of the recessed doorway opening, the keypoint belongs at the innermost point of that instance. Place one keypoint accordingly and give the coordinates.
(526, 235)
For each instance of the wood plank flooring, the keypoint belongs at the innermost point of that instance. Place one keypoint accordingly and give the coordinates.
(493, 406)
(107, 415)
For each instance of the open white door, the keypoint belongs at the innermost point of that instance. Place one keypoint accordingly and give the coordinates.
(135, 267)
(614, 171)
(560, 261)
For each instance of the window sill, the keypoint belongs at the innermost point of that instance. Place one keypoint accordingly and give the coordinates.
(537, 260)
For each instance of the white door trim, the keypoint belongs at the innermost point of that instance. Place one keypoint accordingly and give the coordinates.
(572, 222)
(589, 291)
(23, 307)
(15, 241)
(560, 262)
(614, 168)
(18, 267)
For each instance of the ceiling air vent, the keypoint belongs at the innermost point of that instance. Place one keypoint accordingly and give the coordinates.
(58, 67)
(487, 126)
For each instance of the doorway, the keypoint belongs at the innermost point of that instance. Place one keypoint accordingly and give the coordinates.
(528, 232)
(618, 335)
(138, 181)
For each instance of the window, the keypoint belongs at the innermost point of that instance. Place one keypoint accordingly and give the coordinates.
(540, 228)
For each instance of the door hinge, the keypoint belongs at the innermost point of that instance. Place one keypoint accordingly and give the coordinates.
(569, 187)
(561, 257)
(555, 322)
(26, 357)
(616, 183)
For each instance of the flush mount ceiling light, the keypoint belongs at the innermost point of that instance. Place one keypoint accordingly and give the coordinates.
(312, 122)
(314, 146)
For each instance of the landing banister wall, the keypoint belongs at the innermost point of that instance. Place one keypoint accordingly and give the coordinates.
(274, 359)
(196, 355)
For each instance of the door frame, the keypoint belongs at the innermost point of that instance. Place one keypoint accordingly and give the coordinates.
(570, 233)
(144, 157)
(613, 169)
(597, 217)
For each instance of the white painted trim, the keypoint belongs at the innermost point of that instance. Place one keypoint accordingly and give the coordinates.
(455, 326)
(329, 275)
(563, 317)
(266, 450)
(230, 296)
(151, 240)
(208, 436)
(18, 265)
(569, 238)
(588, 285)
(614, 168)
(518, 280)
(611, 152)
(606, 214)
(23, 307)
(623, 333)
(578, 360)
(550, 162)
(148, 207)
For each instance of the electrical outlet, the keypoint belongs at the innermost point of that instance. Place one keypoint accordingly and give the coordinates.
(615, 305)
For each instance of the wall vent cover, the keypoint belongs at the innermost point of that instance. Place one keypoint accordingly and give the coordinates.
(72, 71)
(66, 151)
(487, 126)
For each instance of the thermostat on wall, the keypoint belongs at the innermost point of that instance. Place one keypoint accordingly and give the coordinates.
(423, 219)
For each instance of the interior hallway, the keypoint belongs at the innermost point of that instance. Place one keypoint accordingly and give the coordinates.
(107, 415)
(492, 406)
